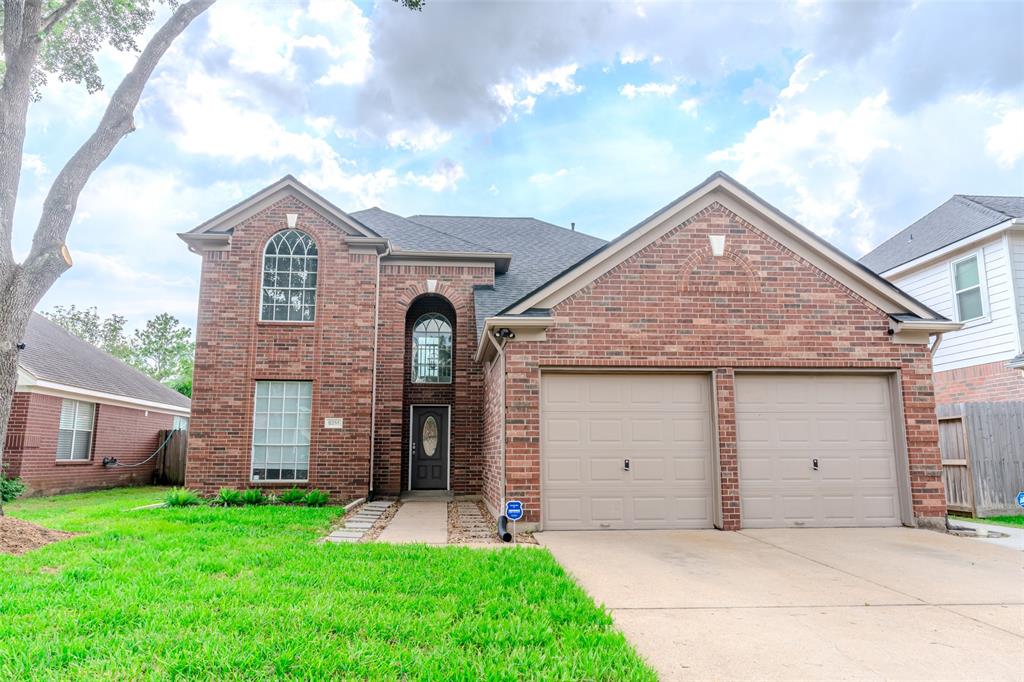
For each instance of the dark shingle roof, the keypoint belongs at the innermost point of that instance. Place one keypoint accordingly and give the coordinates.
(407, 235)
(958, 218)
(53, 354)
(540, 250)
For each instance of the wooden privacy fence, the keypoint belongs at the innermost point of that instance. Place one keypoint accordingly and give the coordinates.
(170, 462)
(982, 448)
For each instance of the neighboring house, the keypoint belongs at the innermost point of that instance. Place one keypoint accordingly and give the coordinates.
(965, 260)
(716, 365)
(76, 407)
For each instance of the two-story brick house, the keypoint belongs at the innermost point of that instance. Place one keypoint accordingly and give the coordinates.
(717, 365)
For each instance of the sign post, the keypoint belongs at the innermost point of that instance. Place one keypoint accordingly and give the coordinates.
(513, 512)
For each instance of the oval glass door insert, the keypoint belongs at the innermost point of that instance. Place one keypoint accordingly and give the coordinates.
(429, 436)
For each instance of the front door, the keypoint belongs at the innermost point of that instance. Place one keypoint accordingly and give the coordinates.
(428, 447)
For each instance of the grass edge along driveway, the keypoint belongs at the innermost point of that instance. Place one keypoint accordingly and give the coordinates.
(233, 593)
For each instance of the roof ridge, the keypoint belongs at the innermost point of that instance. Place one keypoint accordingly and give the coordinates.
(454, 236)
(493, 217)
(431, 228)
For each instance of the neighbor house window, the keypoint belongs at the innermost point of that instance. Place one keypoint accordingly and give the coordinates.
(432, 350)
(280, 431)
(967, 289)
(289, 278)
(74, 439)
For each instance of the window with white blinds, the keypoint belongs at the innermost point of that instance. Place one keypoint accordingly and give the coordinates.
(74, 440)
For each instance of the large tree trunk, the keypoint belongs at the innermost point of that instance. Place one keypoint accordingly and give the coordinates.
(22, 286)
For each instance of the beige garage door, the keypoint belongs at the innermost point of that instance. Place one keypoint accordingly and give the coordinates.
(786, 423)
(593, 423)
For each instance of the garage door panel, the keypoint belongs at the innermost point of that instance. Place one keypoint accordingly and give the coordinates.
(659, 422)
(842, 421)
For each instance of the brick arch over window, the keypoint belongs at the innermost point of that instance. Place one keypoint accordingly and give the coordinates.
(452, 295)
(728, 273)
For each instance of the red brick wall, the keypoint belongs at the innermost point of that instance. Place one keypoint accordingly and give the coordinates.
(15, 443)
(127, 434)
(401, 287)
(991, 382)
(672, 305)
(494, 396)
(234, 350)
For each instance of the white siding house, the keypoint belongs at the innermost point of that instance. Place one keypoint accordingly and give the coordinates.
(965, 260)
(990, 337)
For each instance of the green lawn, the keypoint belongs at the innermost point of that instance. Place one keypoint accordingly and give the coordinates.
(237, 593)
(1016, 521)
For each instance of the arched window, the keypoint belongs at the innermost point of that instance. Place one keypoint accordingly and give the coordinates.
(432, 350)
(289, 278)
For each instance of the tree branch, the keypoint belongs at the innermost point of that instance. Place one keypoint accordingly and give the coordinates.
(21, 19)
(51, 19)
(45, 262)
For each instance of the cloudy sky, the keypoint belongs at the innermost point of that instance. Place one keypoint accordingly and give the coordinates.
(855, 118)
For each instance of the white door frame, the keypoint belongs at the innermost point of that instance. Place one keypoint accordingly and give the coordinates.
(448, 445)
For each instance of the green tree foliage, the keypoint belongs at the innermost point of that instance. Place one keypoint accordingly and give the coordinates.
(163, 348)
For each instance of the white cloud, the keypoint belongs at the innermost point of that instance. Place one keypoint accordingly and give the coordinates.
(33, 163)
(1005, 140)
(445, 177)
(631, 91)
(547, 178)
(427, 138)
(690, 106)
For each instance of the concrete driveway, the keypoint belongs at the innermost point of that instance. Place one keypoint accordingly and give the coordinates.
(889, 603)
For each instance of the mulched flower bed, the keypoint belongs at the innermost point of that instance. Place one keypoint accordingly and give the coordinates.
(18, 537)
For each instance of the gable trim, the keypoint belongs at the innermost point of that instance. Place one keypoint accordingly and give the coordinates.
(220, 225)
(748, 206)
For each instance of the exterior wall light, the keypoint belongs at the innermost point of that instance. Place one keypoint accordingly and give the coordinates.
(504, 333)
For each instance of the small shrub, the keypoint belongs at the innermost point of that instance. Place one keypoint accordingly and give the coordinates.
(293, 496)
(315, 498)
(10, 489)
(182, 497)
(272, 499)
(229, 497)
(253, 496)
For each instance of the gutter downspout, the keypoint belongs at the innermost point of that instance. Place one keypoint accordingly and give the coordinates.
(935, 347)
(373, 380)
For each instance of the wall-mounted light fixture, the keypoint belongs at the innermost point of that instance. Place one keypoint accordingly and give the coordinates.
(504, 333)
(292, 219)
(717, 244)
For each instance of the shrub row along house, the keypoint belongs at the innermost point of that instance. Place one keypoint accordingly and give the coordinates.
(75, 408)
(718, 365)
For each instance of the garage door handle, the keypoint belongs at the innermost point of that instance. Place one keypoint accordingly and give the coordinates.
(625, 464)
(814, 463)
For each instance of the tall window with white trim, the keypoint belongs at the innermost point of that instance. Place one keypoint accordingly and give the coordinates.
(280, 431)
(967, 289)
(74, 437)
(432, 350)
(289, 278)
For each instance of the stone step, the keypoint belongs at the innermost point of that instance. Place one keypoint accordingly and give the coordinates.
(341, 539)
(359, 525)
(343, 533)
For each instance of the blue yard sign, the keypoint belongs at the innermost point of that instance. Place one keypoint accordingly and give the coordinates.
(1020, 499)
(513, 510)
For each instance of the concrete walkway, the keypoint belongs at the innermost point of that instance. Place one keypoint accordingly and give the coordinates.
(887, 603)
(419, 521)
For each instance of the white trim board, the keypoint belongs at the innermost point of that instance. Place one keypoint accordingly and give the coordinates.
(734, 197)
(29, 384)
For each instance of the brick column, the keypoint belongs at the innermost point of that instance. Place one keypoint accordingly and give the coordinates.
(725, 397)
